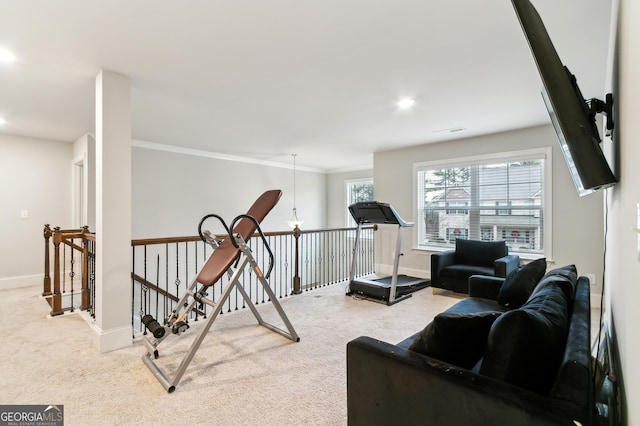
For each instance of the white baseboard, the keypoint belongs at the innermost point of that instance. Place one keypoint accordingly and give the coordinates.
(112, 339)
(595, 299)
(21, 281)
(388, 270)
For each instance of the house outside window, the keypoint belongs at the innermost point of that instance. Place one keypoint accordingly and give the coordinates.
(454, 233)
(501, 197)
(452, 210)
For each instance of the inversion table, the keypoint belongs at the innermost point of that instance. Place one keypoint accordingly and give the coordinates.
(232, 249)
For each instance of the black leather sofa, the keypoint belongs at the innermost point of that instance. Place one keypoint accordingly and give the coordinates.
(522, 377)
(451, 269)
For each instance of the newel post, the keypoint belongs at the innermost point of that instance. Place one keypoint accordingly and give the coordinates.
(46, 290)
(85, 270)
(296, 276)
(56, 303)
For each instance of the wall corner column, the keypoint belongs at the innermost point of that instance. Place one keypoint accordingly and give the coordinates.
(113, 212)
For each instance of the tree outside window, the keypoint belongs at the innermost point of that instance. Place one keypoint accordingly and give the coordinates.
(358, 191)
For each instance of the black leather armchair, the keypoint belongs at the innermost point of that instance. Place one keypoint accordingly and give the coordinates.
(451, 269)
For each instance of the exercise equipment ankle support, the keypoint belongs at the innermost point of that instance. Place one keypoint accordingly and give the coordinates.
(230, 256)
(153, 326)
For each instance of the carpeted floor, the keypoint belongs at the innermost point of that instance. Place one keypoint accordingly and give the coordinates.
(242, 374)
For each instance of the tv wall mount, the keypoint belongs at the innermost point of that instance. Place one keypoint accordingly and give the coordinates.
(597, 106)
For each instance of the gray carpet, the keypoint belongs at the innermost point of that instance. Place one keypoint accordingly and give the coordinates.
(242, 374)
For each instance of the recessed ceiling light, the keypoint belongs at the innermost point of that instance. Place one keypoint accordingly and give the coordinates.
(6, 56)
(2, 121)
(450, 130)
(405, 103)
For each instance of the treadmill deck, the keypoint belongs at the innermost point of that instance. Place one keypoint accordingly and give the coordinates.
(379, 287)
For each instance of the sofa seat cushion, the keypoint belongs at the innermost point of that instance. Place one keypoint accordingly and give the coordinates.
(456, 338)
(459, 271)
(525, 346)
(479, 253)
(520, 283)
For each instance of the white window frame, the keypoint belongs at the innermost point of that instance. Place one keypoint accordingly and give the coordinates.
(521, 155)
(347, 196)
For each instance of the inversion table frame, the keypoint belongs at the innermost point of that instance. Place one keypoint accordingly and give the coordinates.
(220, 261)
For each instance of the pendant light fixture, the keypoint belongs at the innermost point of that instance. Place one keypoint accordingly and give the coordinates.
(294, 222)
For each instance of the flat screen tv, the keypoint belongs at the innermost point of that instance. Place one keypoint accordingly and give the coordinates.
(572, 117)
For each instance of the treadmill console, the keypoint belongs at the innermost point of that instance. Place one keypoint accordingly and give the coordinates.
(375, 212)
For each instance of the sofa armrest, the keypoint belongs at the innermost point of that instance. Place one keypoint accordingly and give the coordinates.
(441, 259)
(506, 264)
(485, 286)
(387, 384)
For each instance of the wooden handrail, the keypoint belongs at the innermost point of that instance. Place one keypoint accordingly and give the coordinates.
(167, 240)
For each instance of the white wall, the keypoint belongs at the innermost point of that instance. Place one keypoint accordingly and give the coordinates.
(170, 193)
(577, 222)
(84, 152)
(173, 191)
(337, 198)
(36, 177)
(622, 291)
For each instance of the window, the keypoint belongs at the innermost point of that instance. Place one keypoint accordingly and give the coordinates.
(453, 233)
(501, 197)
(358, 191)
(457, 204)
(504, 212)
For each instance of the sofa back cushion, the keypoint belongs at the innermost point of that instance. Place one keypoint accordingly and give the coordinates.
(519, 284)
(565, 277)
(456, 338)
(479, 253)
(525, 346)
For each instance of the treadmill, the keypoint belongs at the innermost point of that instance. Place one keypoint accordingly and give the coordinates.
(391, 289)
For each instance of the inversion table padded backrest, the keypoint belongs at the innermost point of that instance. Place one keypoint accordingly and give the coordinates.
(223, 257)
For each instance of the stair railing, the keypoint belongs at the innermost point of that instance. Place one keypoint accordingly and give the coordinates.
(305, 260)
(68, 245)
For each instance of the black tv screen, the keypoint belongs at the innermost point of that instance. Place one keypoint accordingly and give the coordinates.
(570, 114)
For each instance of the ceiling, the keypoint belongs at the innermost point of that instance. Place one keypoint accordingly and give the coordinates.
(266, 79)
